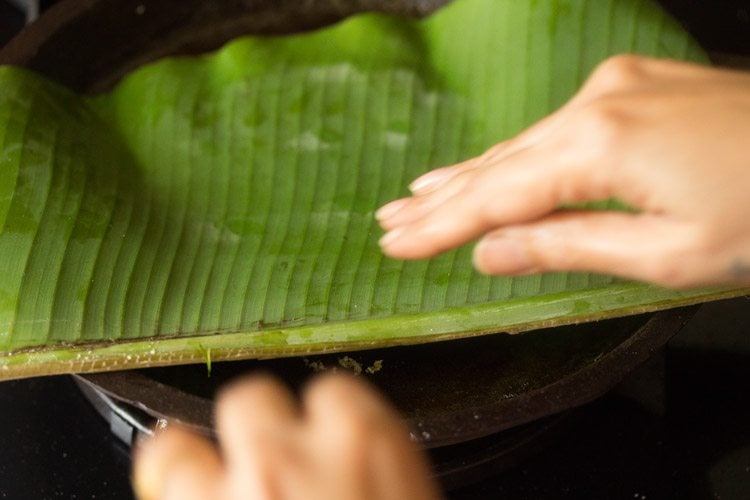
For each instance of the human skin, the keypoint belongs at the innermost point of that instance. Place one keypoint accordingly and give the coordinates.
(667, 138)
(670, 139)
(342, 442)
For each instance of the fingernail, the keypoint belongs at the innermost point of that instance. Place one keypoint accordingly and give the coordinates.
(391, 236)
(390, 209)
(426, 182)
(507, 254)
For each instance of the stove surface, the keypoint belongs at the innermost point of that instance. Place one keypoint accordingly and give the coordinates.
(678, 428)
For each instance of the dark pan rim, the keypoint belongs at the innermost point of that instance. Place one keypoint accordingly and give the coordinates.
(580, 387)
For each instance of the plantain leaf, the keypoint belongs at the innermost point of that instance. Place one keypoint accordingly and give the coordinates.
(224, 204)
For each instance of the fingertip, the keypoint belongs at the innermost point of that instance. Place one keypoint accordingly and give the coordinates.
(499, 254)
(390, 209)
(425, 184)
(175, 456)
(249, 385)
(389, 239)
(433, 179)
(260, 398)
(418, 241)
(400, 243)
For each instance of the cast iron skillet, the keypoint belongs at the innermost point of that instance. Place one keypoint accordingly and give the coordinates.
(450, 392)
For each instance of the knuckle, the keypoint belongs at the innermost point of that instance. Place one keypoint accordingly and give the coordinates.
(620, 71)
(685, 263)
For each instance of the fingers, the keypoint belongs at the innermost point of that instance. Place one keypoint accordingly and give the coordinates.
(557, 161)
(435, 178)
(253, 408)
(176, 465)
(533, 135)
(407, 210)
(258, 425)
(638, 246)
(344, 441)
(521, 188)
(329, 397)
(551, 163)
(362, 438)
(654, 134)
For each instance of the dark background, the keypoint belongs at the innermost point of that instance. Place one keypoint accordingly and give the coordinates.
(720, 25)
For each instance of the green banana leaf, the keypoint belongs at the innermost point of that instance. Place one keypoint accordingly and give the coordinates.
(221, 207)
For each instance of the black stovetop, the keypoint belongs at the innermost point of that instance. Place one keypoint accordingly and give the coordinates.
(677, 429)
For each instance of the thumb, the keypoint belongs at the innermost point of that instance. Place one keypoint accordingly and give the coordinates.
(638, 246)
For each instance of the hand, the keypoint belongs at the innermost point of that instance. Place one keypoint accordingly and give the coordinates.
(671, 139)
(344, 443)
